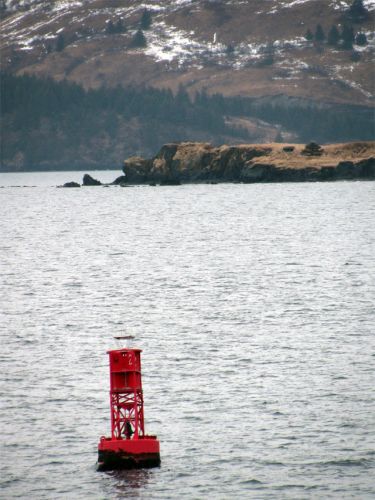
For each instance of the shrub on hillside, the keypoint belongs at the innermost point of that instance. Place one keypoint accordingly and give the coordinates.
(312, 149)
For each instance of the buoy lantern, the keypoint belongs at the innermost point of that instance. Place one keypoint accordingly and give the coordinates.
(129, 446)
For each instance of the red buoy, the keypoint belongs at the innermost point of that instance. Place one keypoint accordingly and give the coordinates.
(128, 446)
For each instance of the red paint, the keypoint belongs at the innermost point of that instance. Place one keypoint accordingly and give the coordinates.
(128, 445)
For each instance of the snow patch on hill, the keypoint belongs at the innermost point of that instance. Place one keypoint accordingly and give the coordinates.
(167, 43)
(158, 5)
(170, 44)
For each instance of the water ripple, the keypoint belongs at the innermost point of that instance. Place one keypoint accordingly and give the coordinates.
(253, 305)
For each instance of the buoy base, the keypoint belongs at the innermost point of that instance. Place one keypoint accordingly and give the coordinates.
(128, 453)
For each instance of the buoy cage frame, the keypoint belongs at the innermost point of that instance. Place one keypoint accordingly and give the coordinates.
(129, 446)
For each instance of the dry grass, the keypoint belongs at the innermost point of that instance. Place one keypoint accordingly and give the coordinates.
(99, 59)
(190, 154)
(332, 154)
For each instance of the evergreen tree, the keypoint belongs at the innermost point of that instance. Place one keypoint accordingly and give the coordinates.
(110, 28)
(347, 36)
(120, 27)
(357, 11)
(3, 7)
(146, 20)
(309, 36)
(139, 40)
(319, 34)
(333, 36)
(361, 39)
(229, 49)
(269, 55)
(60, 43)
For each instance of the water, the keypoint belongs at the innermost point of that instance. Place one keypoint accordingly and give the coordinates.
(254, 307)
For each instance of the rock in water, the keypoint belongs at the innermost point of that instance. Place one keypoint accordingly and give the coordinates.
(90, 181)
(71, 185)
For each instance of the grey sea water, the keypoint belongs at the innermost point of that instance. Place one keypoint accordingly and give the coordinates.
(254, 306)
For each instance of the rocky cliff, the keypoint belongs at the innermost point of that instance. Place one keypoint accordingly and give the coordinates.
(201, 162)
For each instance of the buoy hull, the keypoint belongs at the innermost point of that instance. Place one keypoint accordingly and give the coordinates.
(128, 454)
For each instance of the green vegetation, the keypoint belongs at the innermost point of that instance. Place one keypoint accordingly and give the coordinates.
(146, 20)
(343, 39)
(60, 43)
(309, 35)
(319, 34)
(357, 11)
(334, 123)
(333, 36)
(347, 36)
(115, 28)
(139, 40)
(361, 39)
(44, 122)
(49, 124)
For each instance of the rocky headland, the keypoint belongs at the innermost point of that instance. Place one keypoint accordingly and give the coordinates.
(196, 162)
(189, 162)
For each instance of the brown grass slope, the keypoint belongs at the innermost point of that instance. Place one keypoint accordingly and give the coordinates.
(93, 58)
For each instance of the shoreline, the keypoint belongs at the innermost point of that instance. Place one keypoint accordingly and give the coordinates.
(191, 162)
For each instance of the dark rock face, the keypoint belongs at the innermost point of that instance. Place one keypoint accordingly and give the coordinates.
(201, 162)
(367, 168)
(171, 182)
(120, 180)
(90, 181)
(71, 185)
(137, 170)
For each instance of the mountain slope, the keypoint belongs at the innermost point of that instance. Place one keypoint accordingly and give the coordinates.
(240, 71)
(251, 48)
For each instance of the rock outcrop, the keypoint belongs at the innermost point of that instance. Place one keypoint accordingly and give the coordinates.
(188, 162)
(70, 185)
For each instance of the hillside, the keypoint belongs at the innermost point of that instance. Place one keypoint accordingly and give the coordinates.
(222, 45)
(228, 71)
